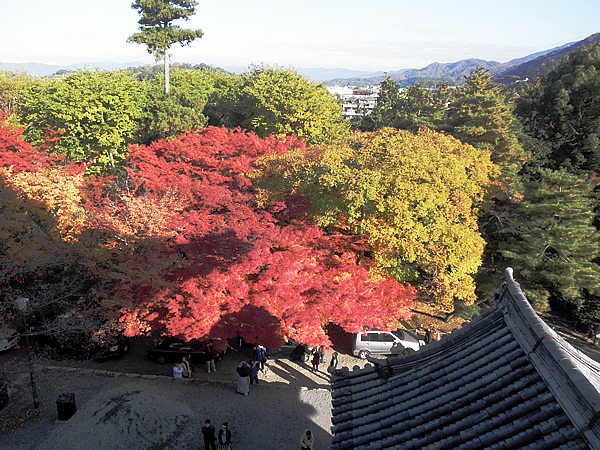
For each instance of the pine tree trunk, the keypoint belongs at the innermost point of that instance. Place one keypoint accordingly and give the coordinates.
(166, 59)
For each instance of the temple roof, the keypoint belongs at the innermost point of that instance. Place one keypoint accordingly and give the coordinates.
(504, 380)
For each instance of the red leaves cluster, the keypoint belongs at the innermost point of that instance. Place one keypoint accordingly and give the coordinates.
(235, 270)
(183, 247)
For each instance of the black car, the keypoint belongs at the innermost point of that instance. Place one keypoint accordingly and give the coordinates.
(171, 349)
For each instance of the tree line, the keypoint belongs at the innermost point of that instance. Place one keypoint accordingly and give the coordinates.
(245, 205)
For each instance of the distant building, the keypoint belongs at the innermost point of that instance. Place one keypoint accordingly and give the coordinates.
(356, 100)
(505, 380)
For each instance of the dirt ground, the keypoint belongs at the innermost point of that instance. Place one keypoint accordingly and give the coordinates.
(133, 402)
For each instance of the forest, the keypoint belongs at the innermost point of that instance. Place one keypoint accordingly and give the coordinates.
(246, 206)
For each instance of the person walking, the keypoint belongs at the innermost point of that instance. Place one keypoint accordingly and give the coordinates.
(208, 431)
(210, 357)
(261, 356)
(243, 371)
(253, 372)
(334, 360)
(307, 441)
(316, 360)
(187, 367)
(224, 437)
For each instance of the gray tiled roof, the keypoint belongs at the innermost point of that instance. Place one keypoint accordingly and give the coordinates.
(505, 380)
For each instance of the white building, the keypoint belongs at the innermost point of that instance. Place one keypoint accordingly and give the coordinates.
(356, 101)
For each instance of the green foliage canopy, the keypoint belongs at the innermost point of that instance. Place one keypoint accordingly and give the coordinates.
(94, 113)
(278, 102)
(555, 243)
(564, 109)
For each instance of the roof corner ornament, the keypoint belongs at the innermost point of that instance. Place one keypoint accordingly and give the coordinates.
(509, 275)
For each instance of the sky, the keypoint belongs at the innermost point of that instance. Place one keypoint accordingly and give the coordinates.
(375, 35)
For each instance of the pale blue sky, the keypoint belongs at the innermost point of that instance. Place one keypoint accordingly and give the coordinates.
(364, 35)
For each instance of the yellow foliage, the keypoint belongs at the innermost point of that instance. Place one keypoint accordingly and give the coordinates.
(414, 197)
(52, 197)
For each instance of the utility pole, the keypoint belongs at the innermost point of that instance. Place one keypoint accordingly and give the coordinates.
(23, 306)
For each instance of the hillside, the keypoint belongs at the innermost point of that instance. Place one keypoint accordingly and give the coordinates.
(545, 63)
(530, 66)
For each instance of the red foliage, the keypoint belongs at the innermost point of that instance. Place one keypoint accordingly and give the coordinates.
(15, 152)
(193, 253)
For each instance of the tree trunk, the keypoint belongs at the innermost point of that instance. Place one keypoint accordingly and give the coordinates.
(166, 59)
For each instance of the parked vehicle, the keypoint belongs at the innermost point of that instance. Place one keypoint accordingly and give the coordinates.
(98, 347)
(374, 342)
(9, 337)
(171, 349)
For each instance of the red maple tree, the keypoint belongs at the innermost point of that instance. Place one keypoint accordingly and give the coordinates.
(189, 251)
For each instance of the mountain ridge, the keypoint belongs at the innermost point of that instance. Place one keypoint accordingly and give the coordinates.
(530, 66)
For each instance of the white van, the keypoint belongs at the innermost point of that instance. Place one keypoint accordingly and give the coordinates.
(374, 342)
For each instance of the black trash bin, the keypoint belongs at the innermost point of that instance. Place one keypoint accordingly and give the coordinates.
(66, 406)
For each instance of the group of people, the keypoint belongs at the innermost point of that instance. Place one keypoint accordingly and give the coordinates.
(248, 371)
(432, 335)
(318, 357)
(184, 369)
(222, 439)
(211, 437)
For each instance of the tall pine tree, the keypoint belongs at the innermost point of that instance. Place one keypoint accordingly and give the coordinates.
(555, 243)
(157, 30)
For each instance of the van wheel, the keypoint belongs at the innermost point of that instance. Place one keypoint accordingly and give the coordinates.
(162, 360)
(363, 354)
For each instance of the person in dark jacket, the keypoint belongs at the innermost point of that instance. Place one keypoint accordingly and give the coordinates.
(210, 358)
(334, 360)
(208, 431)
(316, 360)
(224, 437)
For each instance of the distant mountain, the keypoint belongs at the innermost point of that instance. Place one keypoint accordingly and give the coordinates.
(434, 73)
(531, 66)
(317, 74)
(45, 70)
(545, 63)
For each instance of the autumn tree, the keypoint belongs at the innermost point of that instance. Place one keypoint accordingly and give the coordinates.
(413, 199)
(194, 254)
(157, 30)
(86, 116)
(41, 221)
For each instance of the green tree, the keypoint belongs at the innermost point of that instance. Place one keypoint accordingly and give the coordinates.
(158, 32)
(278, 102)
(407, 109)
(554, 243)
(182, 111)
(12, 87)
(563, 110)
(482, 116)
(87, 116)
(413, 198)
